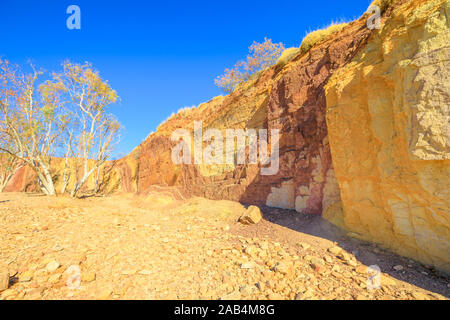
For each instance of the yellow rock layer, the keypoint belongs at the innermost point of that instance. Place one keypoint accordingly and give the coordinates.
(388, 124)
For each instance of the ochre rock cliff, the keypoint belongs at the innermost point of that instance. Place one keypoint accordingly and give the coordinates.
(289, 98)
(388, 124)
(364, 135)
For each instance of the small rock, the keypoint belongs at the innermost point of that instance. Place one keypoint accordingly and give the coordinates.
(318, 261)
(26, 276)
(88, 276)
(34, 294)
(328, 259)
(352, 263)
(246, 290)
(54, 278)
(344, 256)
(335, 250)
(4, 281)
(261, 286)
(145, 272)
(318, 268)
(270, 263)
(52, 266)
(57, 248)
(235, 295)
(304, 245)
(274, 296)
(129, 272)
(81, 258)
(398, 268)
(251, 251)
(308, 294)
(281, 267)
(264, 245)
(251, 216)
(420, 296)
(361, 269)
(307, 257)
(299, 296)
(385, 280)
(247, 265)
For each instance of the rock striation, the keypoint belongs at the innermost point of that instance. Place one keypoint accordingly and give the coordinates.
(388, 125)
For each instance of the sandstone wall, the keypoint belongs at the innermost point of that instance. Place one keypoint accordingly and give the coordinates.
(388, 124)
(290, 98)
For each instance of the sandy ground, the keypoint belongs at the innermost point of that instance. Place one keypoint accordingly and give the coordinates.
(131, 247)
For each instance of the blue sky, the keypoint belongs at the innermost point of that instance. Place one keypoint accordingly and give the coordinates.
(159, 56)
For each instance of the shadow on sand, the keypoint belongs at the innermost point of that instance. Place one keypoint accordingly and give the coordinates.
(366, 253)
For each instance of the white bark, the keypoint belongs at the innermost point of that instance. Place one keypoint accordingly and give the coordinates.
(82, 181)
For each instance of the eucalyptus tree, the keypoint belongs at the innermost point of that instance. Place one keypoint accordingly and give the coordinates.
(95, 131)
(32, 119)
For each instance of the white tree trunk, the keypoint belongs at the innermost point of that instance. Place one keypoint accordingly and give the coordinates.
(82, 181)
(66, 177)
(46, 180)
(97, 186)
(4, 181)
(66, 182)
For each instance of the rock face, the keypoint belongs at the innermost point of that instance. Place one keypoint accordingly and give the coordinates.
(289, 98)
(388, 123)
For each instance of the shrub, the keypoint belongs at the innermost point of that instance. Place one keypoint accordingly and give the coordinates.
(262, 56)
(318, 36)
(287, 55)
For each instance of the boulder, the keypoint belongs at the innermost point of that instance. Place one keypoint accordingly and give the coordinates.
(251, 216)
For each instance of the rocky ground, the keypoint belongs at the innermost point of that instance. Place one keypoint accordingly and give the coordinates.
(129, 247)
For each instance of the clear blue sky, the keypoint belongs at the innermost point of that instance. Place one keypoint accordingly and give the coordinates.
(159, 56)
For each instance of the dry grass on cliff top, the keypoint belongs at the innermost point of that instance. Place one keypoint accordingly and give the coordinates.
(318, 36)
(287, 55)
